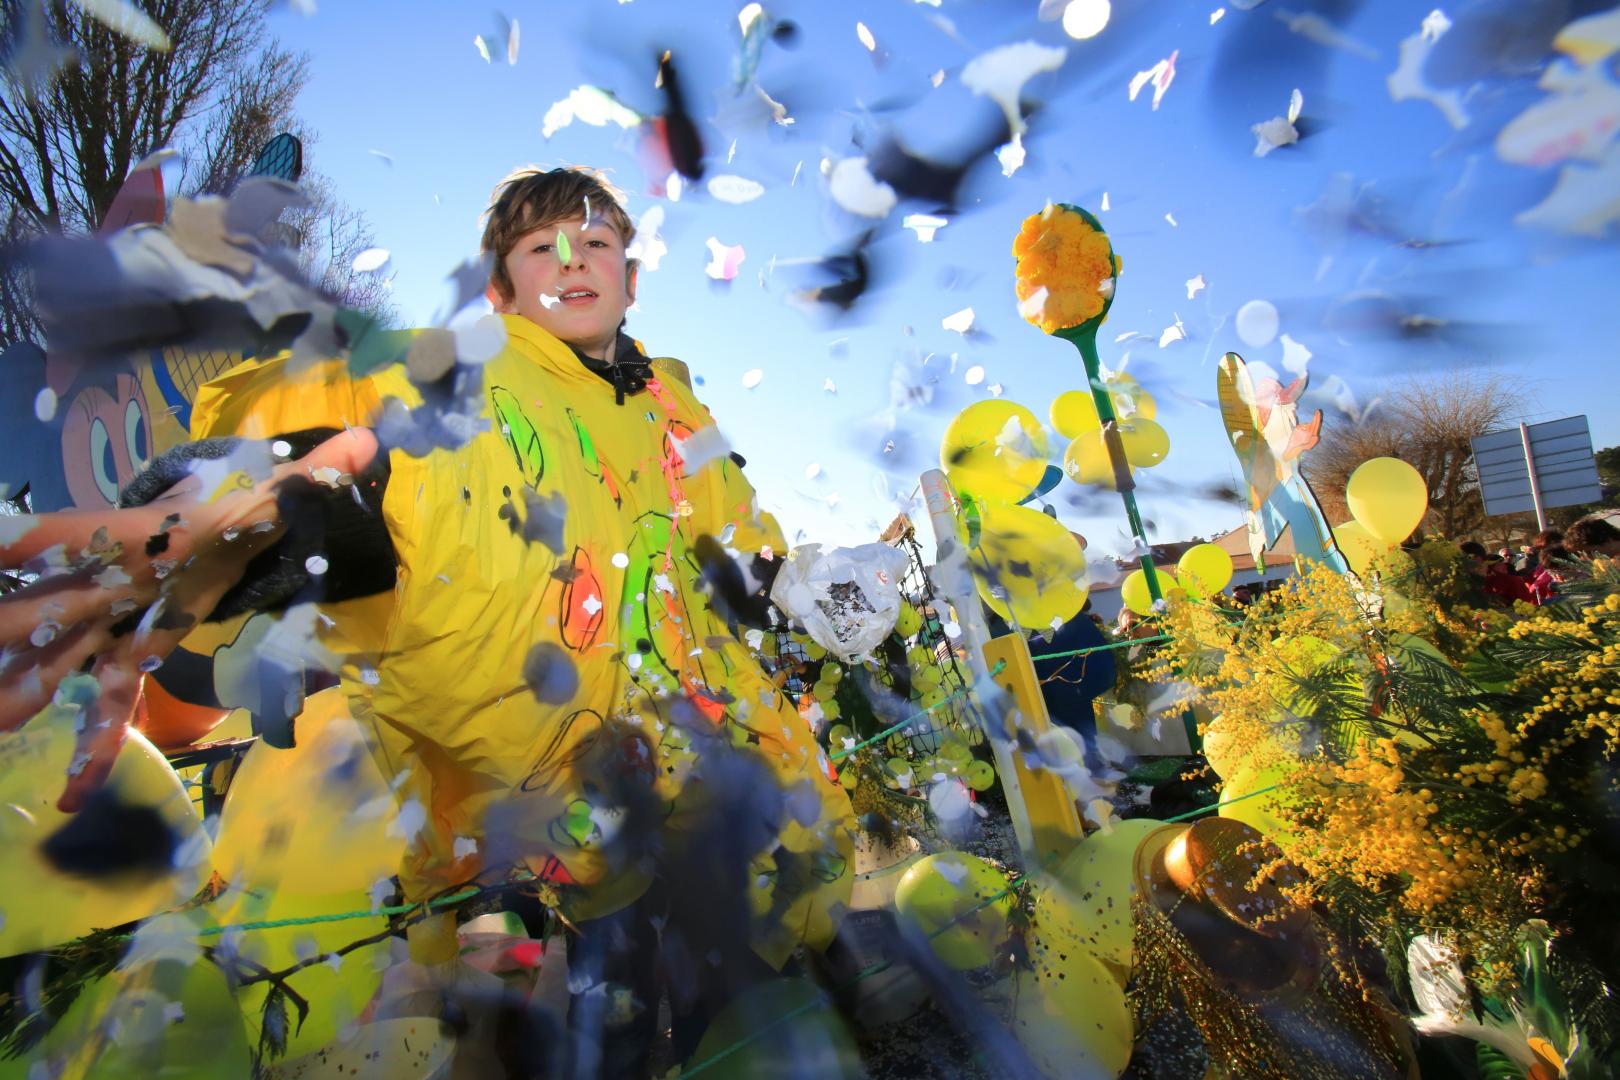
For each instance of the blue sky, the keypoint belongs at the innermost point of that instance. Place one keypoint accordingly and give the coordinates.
(404, 79)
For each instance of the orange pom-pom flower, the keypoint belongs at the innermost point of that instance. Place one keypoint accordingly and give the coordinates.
(1063, 251)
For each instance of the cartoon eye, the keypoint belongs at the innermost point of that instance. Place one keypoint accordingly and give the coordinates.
(103, 464)
(135, 436)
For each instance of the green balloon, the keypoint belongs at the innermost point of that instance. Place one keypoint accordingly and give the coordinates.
(980, 776)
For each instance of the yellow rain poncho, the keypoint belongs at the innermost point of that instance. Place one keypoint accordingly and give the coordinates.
(436, 669)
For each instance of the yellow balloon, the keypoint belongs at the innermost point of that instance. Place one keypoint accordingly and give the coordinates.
(406, 1048)
(938, 895)
(313, 819)
(1130, 400)
(806, 1036)
(1204, 570)
(909, 621)
(1146, 442)
(1359, 547)
(1230, 753)
(1134, 590)
(1388, 497)
(338, 994)
(994, 450)
(1070, 1015)
(1034, 560)
(1092, 906)
(42, 905)
(1074, 413)
(173, 1018)
(1086, 461)
(1260, 811)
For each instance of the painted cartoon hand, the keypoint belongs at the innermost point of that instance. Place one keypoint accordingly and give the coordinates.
(132, 583)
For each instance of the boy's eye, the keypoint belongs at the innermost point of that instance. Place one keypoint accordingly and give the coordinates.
(542, 248)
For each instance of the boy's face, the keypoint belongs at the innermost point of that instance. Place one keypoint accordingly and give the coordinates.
(580, 299)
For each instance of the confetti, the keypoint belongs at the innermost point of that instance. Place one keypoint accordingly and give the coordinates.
(866, 37)
(1171, 218)
(1031, 306)
(1161, 75)
(961, 321)
(1000, 75)
(1105, 207)
(482, 47)
(924, 225)
(735, 190)
(588, 105)
(1295, 355)
(829, 387)
(974, 375)
(648, 248)
(752, 378)
(127, 21)
(45, 405)
(1216, 15)
(812, 471)
(1406, 82)
(620, 560)
(1011, 155)
(1173, 333)
(370, 260)
(723, 260)
(512, 43)
(1195, 285)
(853, 187)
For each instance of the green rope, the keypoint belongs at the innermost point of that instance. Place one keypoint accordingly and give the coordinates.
(1126, 644)
(1217, 806)
(886, 732)
(823, 998)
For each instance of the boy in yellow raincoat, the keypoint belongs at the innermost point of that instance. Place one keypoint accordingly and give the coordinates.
(547, 674)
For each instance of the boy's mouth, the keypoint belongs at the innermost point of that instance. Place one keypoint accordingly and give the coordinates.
(576, 297)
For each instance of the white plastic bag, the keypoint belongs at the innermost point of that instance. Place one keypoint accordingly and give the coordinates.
(848, 598)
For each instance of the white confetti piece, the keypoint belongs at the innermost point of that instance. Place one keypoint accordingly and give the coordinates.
(1216, 15)
(1295, 355)
(591, 605)
(1011, 155)
(1271, 134)
(1105, 205)
(961, 321)
(1195, 285)
(1085, 19)
(753, 377)
(409, 821)
(1000, 75)
(1032, 305)
(829, 386)
(735, 190)
(620, 559)
(1173, 333)
(812, 470)
(648, 248)
(924, 225)
(482, 46)
(1161, 75)
(316, 565)
(1171, 218)
(370, 260)
(589, 105)
(704, 445)
(853, 187)
(464, 846)
(974, 375)
(866, 37)
(45, 405)
(512, 44)
(723, 260)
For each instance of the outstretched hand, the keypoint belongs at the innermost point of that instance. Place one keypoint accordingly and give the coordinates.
(130, 585)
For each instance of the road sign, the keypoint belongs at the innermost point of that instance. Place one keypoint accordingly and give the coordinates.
(1537, 466)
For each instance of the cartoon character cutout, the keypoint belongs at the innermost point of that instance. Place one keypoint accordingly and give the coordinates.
(1263, 423)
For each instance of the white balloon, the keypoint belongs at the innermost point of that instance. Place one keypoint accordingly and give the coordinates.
(1084, 19)
(1257, 323)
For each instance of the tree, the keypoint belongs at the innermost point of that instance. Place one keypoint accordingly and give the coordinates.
(1428, 422)
(70, 136)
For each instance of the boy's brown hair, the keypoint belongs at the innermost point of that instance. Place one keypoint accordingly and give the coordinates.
(531, 198)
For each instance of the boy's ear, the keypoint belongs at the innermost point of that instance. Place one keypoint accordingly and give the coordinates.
(501, 305)
(631, 267)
